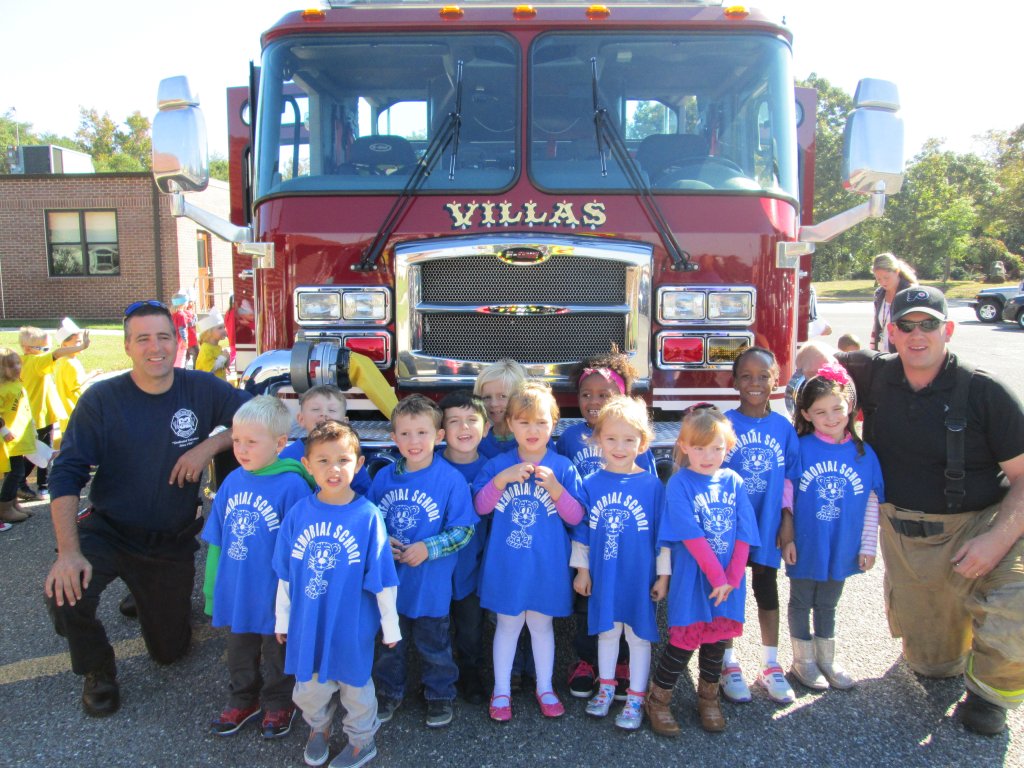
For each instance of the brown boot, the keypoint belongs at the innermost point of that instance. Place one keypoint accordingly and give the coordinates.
(9, 514)
(658, 706)
(711, 718)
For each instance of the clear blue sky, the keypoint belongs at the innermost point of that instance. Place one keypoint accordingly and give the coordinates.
(959, 75)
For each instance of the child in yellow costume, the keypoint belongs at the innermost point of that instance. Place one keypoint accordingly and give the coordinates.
(212, 357)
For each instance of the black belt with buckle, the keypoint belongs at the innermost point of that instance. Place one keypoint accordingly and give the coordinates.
(916, 529)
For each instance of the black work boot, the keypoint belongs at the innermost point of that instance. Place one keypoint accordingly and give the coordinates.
(981, 716)
(101, 695)
(127, 606)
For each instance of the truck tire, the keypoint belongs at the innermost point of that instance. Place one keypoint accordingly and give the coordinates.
(988, 311)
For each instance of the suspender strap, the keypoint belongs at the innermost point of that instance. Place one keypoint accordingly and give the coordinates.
(956, 434)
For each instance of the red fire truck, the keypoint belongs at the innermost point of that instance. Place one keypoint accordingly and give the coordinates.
(440, 186)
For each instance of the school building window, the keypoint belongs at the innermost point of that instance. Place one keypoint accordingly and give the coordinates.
(82, 243)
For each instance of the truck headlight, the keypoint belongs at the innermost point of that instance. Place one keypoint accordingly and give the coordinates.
(677, 306)
(318, 306)
(365, 306)
(733, 306)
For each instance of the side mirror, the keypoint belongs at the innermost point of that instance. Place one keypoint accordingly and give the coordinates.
(873, 140)
(179, 139)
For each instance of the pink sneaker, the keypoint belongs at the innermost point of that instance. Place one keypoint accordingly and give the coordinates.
(501, 708)
(550, 704)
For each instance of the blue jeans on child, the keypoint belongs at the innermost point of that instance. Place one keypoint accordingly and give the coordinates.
(430, 636)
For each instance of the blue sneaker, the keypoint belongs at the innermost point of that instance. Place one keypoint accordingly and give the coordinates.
(353, 757)
(318, 747)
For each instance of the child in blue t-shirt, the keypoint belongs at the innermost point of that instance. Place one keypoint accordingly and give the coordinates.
(533, 493)
(337, 590)
(495, 385)
(835, 520)
(599, 378)
(317, 405)
(709, 525)
(614, 552)
(465, 424)
(429, 516)
(242, 530)
(767, 457)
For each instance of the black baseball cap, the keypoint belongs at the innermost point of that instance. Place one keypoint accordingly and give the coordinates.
(919, 298)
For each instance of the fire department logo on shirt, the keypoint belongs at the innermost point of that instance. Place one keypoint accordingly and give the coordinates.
(184, 423)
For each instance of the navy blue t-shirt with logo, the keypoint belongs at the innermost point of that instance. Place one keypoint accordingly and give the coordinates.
(134, 439)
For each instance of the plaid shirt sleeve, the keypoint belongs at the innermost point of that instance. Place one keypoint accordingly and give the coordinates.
(448, 541)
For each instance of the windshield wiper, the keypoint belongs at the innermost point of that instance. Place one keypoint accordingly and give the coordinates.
(610, 140)
(447, 135)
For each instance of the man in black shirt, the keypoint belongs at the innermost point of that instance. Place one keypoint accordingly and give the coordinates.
(147, 434)
(953, 548)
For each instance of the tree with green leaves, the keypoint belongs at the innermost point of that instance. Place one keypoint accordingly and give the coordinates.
(934, 222)
(112, 146)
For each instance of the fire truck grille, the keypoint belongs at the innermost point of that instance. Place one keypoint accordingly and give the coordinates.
(526, 338)
(561, 280)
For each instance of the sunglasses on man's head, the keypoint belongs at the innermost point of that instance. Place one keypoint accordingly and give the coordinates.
(135, 306)
(929, 325)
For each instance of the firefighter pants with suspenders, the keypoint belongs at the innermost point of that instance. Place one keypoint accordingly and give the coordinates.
(950, 624)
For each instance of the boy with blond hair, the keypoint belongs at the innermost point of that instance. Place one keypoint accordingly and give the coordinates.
(317, 405)
(242, 530)
(495, 385)
(429, 515)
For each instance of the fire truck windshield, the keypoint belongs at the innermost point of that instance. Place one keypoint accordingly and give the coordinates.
(354, 113)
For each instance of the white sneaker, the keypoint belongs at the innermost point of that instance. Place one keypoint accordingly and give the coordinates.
(774, 681)
(602, 702)
(734, 688)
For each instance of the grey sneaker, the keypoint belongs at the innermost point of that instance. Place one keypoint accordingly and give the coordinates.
(386, 707)
(439, 713)
(632, 714)
(353, 757)
(317, 747)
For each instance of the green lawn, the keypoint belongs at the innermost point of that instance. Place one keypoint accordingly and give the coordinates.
(105, 352)
(854, 290)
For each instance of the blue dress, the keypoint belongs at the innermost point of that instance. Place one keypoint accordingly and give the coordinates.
(766, 453)
(244, 522)
(526, 563)
(717, 508)
(575, 444)
(336, 559)
(831, 497)
(621, 529)
(418, 505)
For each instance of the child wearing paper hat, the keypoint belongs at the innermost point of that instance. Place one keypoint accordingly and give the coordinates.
(212, 357)
(68, 372)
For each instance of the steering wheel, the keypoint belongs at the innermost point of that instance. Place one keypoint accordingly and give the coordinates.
(684, 169)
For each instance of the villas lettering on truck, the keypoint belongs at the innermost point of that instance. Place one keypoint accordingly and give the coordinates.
(436, 187)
